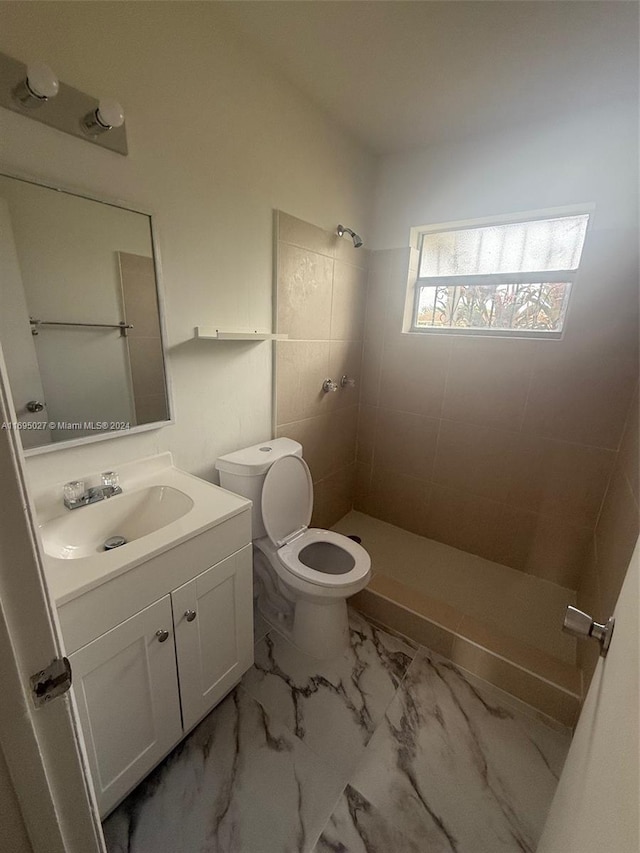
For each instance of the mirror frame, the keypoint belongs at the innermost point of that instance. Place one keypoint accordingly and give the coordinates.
(47, 183)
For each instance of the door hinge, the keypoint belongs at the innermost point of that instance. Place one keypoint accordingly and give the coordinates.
(51, 682)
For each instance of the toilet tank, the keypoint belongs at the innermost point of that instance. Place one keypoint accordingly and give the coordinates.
(243, 472)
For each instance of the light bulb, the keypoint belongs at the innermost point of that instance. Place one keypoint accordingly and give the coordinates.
(41, 80)
(39, 84)
(110, 113)
(107, 115)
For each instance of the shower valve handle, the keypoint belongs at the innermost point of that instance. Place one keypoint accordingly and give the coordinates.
(329, 385)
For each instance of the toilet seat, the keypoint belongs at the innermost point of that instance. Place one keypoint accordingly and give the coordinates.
(331, 561)
(287, 499)
(289, 556)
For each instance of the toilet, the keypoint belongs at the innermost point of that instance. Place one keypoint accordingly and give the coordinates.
(302, 575)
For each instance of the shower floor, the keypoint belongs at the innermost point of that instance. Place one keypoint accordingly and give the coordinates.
(476, 605)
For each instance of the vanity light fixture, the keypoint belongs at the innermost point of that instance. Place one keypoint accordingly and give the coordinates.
(107, 115)
(37, 87)
(35, 92)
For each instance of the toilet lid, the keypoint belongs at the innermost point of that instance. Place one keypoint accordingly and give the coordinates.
(287, 498)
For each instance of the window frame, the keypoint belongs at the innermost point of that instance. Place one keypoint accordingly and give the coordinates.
(416, 284)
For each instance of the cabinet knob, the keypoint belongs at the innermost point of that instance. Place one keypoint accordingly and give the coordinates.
(162, 635)
(190, 615)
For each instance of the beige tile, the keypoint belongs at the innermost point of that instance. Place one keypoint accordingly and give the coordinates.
(548, 698)
(147, 366)
(413, 375)
(366, 433)
(533, 623)
(534, 660)
(304, 294)
(560, 479)
(430, 608)
(580, 392)
(609, 256)
(629, 456)
(616, 536)
(399, 619)
(465, 521)
(348, 303)
(590, 601)
(333, 497)
(397, 499)
(345, 359)
(328, 441)
(306, 236)
(405, 443)
(371, 366)
(555, 549)
(341, 436)
(474, 458)
(302, 367)
(400, 297)
(377, 296)
(138, 277)
(346, 252)
(362, 484)
(488, 382)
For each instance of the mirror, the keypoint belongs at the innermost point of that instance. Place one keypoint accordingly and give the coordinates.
(80, 322)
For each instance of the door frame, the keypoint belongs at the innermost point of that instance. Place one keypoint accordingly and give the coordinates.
(43, 747)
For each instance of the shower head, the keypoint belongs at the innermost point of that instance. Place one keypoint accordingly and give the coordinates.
(357, 239)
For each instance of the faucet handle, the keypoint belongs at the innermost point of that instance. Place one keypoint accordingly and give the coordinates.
(110, 478)
(74, 490)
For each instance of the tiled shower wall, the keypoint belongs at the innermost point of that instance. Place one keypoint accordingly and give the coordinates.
(321, 297)
(504, 448)
(614, 540)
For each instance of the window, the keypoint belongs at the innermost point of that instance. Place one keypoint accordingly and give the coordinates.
(511, 278)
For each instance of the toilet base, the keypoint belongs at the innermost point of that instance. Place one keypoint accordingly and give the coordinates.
(318, 629)
(321, 629)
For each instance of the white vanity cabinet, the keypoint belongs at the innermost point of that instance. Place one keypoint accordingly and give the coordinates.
(154, 649)
(213, 620)
(126, 689)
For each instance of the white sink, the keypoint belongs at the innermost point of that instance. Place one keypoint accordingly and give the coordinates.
(82, 532)
(159, 508)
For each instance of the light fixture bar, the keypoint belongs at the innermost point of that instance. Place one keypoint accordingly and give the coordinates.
(66, 111)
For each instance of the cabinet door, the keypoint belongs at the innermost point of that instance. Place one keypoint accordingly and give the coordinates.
(214, 647)
(126, 687)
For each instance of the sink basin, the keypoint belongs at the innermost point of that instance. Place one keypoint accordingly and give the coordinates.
(83, 532)
(160, 507)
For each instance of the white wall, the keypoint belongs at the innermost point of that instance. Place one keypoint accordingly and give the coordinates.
(216, 143)
(590, 157)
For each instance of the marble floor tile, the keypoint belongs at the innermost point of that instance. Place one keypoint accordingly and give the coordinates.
(456, 771)
(358, 827)
(260, 626)
(240, 783)
(333, 706)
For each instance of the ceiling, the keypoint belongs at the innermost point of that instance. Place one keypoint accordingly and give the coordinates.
(400, 75)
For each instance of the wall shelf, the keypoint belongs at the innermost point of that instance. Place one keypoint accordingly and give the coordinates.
(209, 334)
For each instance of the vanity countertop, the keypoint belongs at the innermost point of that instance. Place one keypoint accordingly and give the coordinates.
(210, 506)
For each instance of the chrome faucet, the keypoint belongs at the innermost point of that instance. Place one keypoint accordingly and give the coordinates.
(75, 494)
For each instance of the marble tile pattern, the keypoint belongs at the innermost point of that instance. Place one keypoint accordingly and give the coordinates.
(451, 770)
(387, 749)
(240, 783)
(332, 706)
